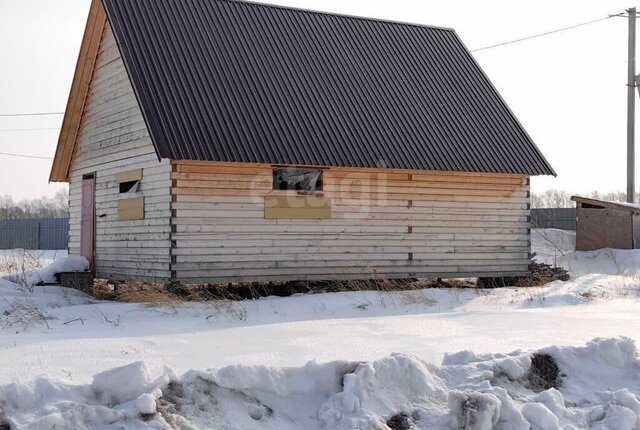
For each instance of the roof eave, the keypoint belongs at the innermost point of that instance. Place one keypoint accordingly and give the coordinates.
(79, 91)
(606, 204)
(549, 170)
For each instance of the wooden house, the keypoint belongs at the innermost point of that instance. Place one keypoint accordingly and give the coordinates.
(603, 224)
(222, 140)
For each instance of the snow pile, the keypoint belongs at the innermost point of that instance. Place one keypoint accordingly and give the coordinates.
(606, 261)
(127, 383)
(400, 384)
(598, 387)
(27, 259)
(557, 248)
(123, 395)
(47, 275)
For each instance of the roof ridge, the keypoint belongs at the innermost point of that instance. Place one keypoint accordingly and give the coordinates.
(336, 14)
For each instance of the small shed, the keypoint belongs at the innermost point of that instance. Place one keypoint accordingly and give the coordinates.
(604, 224)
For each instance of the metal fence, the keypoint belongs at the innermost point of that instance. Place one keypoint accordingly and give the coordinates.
(43, 233)
(561, 218)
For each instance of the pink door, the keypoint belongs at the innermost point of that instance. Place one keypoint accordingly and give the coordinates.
(88, 218)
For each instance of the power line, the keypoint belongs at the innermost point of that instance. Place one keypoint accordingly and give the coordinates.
(32, 114)
(25, 156)
(27, 129)
(546, 33)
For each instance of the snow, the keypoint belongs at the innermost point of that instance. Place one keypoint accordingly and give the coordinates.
(629, 205)
(46, 275)
(557, 247)
(28, 268)
(474, 410)
(347, 395)
(125, 383)
(540, 417)
(436, 358)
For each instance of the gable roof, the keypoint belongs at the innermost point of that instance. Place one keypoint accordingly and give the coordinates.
(629, 207)
(233, 81)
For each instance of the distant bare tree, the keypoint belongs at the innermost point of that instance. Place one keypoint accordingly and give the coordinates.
(551, 199)
(43, 207)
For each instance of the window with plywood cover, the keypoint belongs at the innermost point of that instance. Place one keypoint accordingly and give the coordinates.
(131, 209)
(298, 179)
(296, 195)
(129, 181)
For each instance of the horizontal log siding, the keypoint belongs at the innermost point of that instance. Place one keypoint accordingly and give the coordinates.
(112, 139)
(385, 223)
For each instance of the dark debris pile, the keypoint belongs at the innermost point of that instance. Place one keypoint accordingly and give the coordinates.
(539, 274)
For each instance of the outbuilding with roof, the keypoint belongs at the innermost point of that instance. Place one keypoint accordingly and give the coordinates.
(223, 140)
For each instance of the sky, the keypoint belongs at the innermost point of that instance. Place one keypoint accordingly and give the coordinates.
(567, 89)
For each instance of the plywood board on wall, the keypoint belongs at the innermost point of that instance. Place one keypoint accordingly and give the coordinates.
(128, 176)
(131, 209)
(297, 207)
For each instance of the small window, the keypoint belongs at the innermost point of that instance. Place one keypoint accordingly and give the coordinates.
(128, 186)
(129, 182)
(297, 179)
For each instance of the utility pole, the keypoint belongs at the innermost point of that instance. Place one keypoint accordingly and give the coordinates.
(631, 107)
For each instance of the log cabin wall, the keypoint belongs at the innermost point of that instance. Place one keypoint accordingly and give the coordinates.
(384, 224)
(113, 141)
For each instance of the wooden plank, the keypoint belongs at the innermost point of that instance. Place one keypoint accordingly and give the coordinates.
(337, 171)
(308, 207)
(390, 185)
(186, 277)
(128, 176)
(358, 272)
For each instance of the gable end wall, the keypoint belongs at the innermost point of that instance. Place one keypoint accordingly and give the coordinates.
(113, 138)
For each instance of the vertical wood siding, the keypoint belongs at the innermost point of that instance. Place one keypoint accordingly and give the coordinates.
(113, 138)
(385, 223)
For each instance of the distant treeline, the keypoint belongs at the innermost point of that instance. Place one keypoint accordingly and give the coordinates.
(43, 207)
(562, 199)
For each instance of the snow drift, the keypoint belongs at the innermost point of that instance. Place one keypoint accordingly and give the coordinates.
(47, 275)
(597, 387)
(557, 248)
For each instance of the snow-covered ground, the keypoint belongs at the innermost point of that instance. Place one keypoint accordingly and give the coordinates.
(339, 361)
(18, 260)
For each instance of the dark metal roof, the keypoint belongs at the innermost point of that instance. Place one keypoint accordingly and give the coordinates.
(227, 80)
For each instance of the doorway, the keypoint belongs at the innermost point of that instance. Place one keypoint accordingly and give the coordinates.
(88, 218)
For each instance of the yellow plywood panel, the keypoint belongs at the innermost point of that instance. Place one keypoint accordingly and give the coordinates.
(297, 207)
(130, 175)
(131, 209)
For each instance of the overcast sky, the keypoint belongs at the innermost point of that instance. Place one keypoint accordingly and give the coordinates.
(567, 89)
